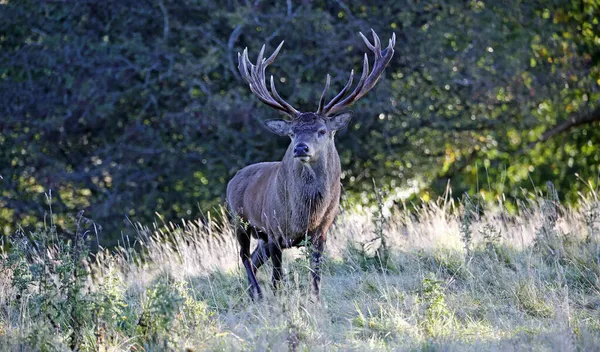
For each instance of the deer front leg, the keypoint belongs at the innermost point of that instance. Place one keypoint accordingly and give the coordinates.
(276, 257)
(318, 244)
(243, 238)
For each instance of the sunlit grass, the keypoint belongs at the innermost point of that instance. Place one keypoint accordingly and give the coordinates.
(529, 281)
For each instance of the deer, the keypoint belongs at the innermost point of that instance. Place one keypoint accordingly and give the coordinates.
(293, 202)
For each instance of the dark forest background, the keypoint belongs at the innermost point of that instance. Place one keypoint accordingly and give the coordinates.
(130, 108)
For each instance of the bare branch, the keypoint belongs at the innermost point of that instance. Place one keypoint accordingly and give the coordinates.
(233, 37)
(165, 14)
(568, 124)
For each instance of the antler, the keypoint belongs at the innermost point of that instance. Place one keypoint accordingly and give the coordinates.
(255, 77)
(366, 83)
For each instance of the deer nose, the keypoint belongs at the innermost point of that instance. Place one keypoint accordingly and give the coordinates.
(301, 149)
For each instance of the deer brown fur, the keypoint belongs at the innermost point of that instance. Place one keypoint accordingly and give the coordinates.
(285, 203)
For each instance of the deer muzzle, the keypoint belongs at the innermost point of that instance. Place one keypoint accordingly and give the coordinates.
(302, 152)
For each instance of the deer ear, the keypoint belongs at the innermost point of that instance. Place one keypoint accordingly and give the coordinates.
(280, 127)
(339, 121)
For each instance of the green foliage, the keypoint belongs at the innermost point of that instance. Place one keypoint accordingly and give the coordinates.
(378, 325)
(128, 108)
(531, 301)
(438, 318)
(492, 240)
(111, 307)
(159, 310)
(169, 310)
(50, 277)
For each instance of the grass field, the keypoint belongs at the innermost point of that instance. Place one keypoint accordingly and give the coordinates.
(448, 276)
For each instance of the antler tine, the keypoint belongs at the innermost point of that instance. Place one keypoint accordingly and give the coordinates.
(287, 106)
(254, 75)
(349, 100)
(248, 70)
(259, 74)
(275, 94)
(340, 94)
(244, 66)
(368, 43)
(322, 100)
(377, 43)
(367, 80)
(259, 59)
(276, 52)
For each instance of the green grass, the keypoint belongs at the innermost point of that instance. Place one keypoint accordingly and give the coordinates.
(441, 281)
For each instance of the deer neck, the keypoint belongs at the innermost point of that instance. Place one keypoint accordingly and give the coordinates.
(307, 190)
(310, 185)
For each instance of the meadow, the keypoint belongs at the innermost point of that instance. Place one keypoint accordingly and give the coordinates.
(443, 276)
(119, 119)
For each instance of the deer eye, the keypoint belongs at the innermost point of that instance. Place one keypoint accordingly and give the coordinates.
(322, 132)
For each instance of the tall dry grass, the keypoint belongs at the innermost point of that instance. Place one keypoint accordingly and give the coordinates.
(444, 275)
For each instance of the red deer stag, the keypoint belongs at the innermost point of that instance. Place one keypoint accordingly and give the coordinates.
(283, 203)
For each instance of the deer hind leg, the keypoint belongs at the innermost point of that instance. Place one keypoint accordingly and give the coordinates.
(261, 253)
(266, 249)
(243, 237)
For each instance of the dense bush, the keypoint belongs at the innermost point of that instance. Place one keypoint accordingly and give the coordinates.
(128, 108)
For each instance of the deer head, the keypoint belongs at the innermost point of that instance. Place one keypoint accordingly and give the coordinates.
(311, 132)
